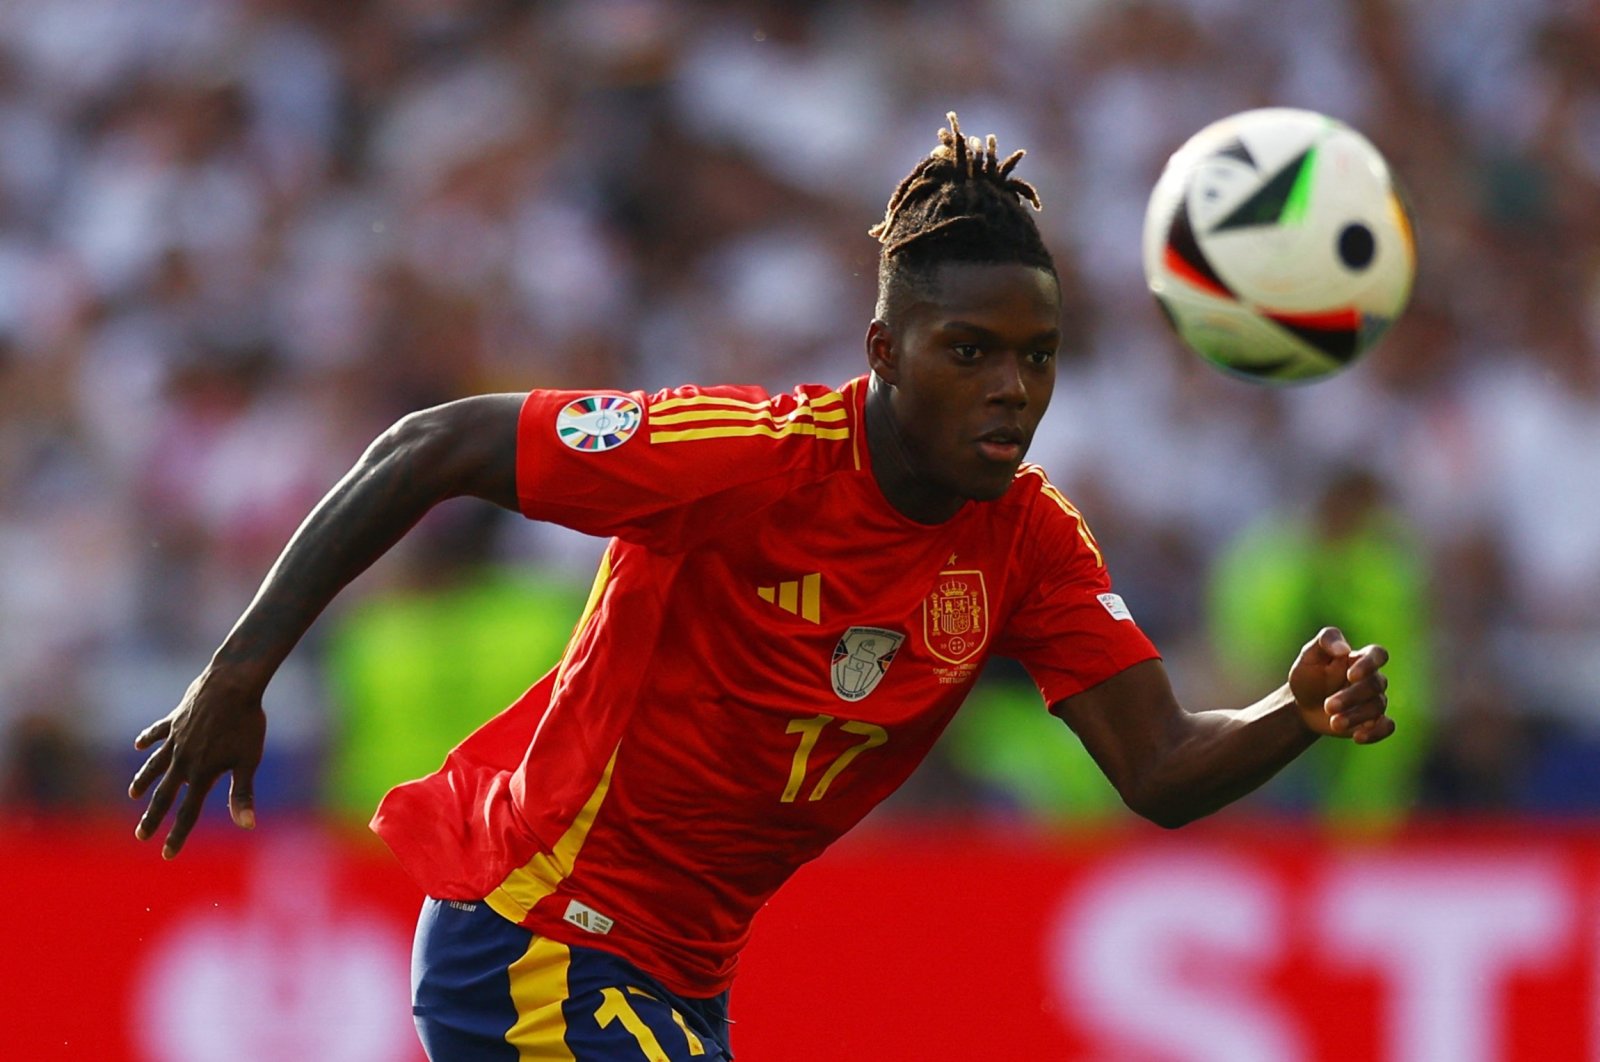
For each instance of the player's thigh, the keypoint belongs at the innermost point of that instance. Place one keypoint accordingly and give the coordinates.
(487, 990)
(589, 1006)
(460, 988)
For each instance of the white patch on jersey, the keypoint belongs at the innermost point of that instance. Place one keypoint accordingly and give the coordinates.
(1114, 605)
(587, 918)
(598, 422)
(860, 660)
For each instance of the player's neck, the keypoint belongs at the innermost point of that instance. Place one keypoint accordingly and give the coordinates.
(894, 468)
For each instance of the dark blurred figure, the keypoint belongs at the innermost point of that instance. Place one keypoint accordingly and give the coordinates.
(47, 768)
(1482, 760)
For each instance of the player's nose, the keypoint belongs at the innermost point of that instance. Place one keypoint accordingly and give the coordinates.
(1007, 382)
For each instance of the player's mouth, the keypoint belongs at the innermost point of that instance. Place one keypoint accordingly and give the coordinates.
(1003, 445)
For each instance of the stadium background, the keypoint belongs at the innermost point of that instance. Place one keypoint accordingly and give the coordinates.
(239, 237)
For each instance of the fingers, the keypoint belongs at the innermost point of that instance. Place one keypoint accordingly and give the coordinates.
(188, 814)
(153, 768)
(1365, 724)
(241, 798)
(1345, 687)
(195, 746)
(1375, 730)
(1330, 644)
(160, 802)
(157, 731)
(1366, 661)
(1359, 707)
(1368, 690)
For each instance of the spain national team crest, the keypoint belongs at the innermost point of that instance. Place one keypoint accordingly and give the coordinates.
(598, 422)
(955, 616)
(861, 658)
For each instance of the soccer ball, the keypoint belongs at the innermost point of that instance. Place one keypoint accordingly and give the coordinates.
(1278, 246)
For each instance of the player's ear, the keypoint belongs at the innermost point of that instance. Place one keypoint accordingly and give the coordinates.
(881, 357)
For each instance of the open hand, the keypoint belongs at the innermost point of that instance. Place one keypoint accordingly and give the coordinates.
(218, 727)
(1340, 691)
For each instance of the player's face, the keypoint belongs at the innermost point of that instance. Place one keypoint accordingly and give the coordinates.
(972, 366)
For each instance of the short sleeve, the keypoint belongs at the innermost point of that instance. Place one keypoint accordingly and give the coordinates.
(1069, 630)
(670, 468)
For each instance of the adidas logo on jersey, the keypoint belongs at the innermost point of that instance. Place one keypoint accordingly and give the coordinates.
(802, 597)
(587, 918)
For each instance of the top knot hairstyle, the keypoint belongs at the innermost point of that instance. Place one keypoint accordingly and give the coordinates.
(960, 204)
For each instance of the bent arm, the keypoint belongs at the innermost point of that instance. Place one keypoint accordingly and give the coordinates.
(462, 448)
(1173, 766)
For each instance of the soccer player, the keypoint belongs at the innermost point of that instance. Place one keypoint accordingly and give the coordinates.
(799, 591)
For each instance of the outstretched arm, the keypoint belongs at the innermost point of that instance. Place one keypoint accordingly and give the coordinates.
(1174, 766)
(462, 448)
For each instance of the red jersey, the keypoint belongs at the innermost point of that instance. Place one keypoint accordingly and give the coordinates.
(769, 650)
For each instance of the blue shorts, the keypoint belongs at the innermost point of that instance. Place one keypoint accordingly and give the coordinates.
(484, 989)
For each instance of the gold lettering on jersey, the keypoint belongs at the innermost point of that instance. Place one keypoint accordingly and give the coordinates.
(800, 597)
(955, 616)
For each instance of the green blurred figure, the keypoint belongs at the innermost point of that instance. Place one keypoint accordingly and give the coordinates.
(1020, 758)
(1355, 564)
(416, 668)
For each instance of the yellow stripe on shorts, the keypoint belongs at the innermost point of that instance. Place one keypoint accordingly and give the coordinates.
(539, 988)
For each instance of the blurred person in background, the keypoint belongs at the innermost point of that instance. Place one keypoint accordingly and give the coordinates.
(594, 855)
(1019, 763)
(414, 667)
(1350, 557)
(48, 767)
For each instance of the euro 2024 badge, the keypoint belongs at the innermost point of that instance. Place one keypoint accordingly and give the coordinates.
(956, 616)
(861, 658)
(598, 422)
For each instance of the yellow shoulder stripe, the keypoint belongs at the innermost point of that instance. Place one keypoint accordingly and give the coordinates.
(708, 417)
(832, 398)
(1049, 490)
(729, 431)
(693, 415)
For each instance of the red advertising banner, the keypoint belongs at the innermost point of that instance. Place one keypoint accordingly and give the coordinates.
(1213, 944)
(1208, 945)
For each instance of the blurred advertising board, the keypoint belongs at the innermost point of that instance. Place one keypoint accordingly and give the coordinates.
(1219, 943)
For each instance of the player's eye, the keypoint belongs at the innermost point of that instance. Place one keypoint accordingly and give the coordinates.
(1041, 357)
(967, 351)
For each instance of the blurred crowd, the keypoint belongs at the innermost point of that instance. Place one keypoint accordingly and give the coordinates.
(240, 237)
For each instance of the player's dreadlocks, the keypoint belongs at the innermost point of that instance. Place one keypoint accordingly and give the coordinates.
(960, 204)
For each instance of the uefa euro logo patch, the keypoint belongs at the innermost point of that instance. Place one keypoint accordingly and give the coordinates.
(598, 422)
(860, 660)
